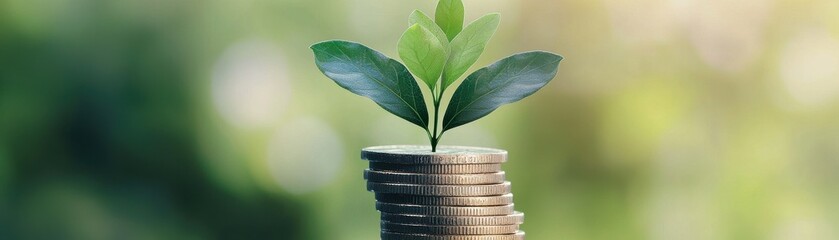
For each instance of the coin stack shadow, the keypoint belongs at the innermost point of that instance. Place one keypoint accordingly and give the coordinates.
(457, 193)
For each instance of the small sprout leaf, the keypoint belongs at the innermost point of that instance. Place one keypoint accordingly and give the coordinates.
(503, 82)
(423, 54)
(449, 17)
(468, 46)
(418, 17)
(368, 73)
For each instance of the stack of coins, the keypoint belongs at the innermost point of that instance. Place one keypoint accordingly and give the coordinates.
(456, 193)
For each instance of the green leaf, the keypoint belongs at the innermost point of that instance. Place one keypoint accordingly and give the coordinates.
(418, 17)
(468, 46)
(423, 53)
(449, 17)
(505, 81)
(369, 73)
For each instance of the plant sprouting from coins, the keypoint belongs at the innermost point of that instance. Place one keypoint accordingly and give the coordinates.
(438, 52)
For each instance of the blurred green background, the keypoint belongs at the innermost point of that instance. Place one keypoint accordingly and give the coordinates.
(194, 119)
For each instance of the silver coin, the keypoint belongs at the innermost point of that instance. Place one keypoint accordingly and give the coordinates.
(441, 190)
(433, 179)
(446, 201)
(411, 154)
(405, 236)
(512, 219)
(407, 209)
(437, 168)
(449, 230)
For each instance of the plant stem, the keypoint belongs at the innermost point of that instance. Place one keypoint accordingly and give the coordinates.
(436, 138)
(437, 95)
(430, 138)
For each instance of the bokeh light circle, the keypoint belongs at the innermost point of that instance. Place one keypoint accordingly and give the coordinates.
(250, 84)
(305, 155)
(809, 68)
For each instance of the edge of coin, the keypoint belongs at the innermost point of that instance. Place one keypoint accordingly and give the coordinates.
(406, 236)
(449, 230)
(437, 168)
(410, 209)
(445, 201)
(417, 154)
(515, 218)
(441, 190)
(434, 179)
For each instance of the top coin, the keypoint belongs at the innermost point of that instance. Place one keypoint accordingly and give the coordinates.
(413, 154)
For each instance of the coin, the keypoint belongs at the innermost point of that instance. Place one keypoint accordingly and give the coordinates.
(407, 209)
(446, 201)
(440, 190)
(423, 155)
(405, 236)
(433, 179)
(449, 230)
(437, 168)
(457, 193)
(512, 219)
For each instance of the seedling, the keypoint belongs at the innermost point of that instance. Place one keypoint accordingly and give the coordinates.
(438, 52)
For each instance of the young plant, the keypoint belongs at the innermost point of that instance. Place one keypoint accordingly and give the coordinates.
(438, 52)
